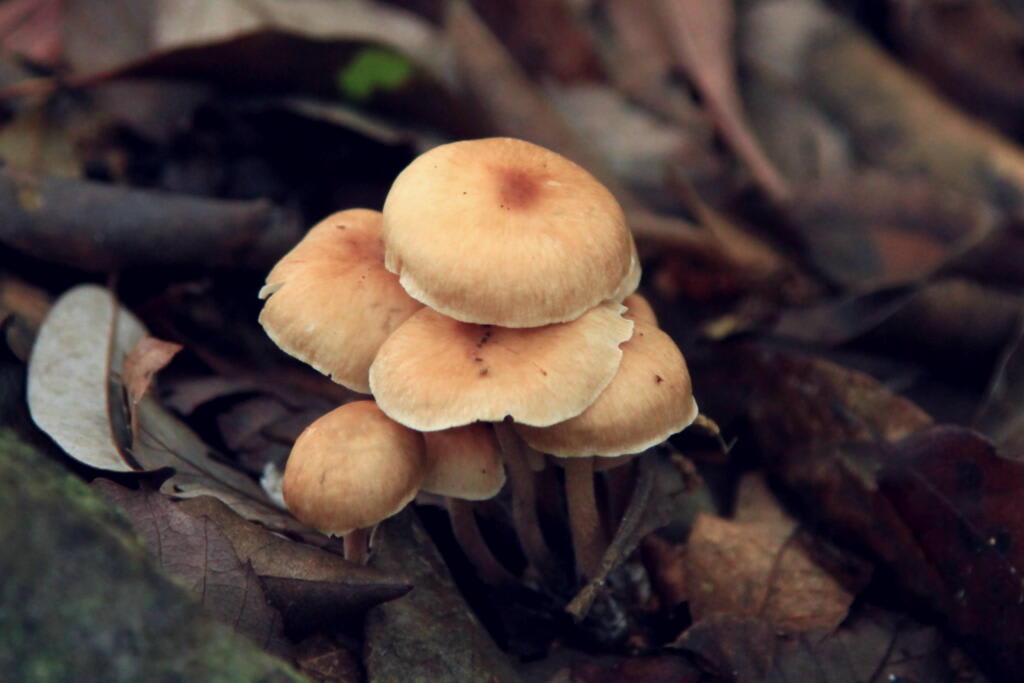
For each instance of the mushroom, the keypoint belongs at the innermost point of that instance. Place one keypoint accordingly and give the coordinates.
(463, 465)
(638, 308)
(435, 372)
(504, 232)
(331, 301)
(350, 469)
(649, 399)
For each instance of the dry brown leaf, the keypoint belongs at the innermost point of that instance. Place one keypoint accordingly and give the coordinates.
(325, 660)
(31, 28)
(195, 551)
(315, 589)
(701, 36)
(878, 229)
(761, 569)
(431, 634)
(872, 646)
(969, 50)
(149, 356)
(894, 120)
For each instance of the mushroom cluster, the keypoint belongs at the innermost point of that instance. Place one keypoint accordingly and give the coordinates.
(489, 310)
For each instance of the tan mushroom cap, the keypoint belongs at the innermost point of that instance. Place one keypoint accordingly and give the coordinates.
(352, 468)
(639, 309)
(464, 462)
(332, 303)
(434, 372)
(629, 285)
(501, 231)
(650, 399)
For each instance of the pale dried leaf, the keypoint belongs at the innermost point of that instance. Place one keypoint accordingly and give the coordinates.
(128, 31)
(75, 396)
(69, 389)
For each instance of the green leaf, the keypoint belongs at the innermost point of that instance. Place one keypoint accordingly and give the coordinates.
(374, 69)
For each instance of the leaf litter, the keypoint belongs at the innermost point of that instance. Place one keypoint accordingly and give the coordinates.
(807, 208)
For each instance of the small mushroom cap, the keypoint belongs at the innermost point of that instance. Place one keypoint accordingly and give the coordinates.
(352, 468)
(504, 232)
(434, 372)
(650, 399)
(464, 462)
(332, 303)
(639, 309)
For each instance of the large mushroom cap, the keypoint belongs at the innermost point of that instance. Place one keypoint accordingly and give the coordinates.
(464, 462)
(501, 231)
(332, 303)
(650, 399)
(352, 468)
(434, 372)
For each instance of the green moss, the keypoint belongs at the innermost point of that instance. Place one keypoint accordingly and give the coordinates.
(81, 600)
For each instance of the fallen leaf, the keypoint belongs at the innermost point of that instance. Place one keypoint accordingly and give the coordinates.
(107, 35)
(22, 310)
(327, 661)
(149, 356)
(31, 28)
(700, 35)
(80, 345)
(1000, 415)
(961, 501)
(798, 136)
(954, 325)
(198, 554)
(667, 493)
(876, 230)
(970, 51)
(666, 565)
(643, 146)
(641, 65)
(74, 395)
(822, 429)
(893, 119)
(430, 634)
(315, 590)
(90, 603)
(658, 669)
(995, 261)
(767, 570)
(545, 38)
(839, 320)
(39, 140)
(872, 646)
(513, 104)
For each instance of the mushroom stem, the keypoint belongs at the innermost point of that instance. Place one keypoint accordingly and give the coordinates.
(524, 499)
(588, 541)
(467, 533)
(357, 544)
